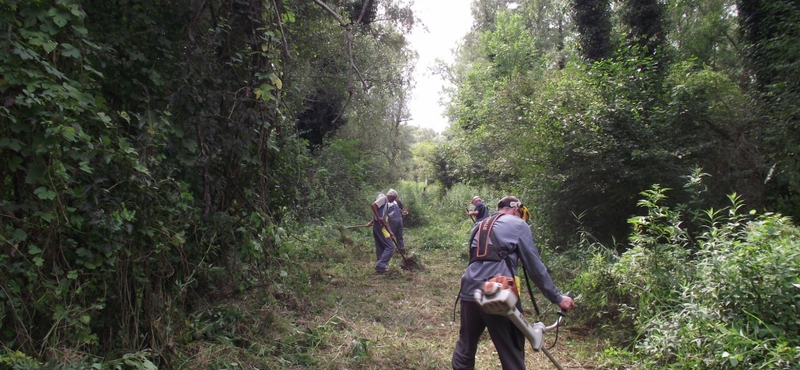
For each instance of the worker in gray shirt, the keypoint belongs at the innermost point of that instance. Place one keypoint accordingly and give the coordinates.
(382, 231)
(496, 244)
(396, 213)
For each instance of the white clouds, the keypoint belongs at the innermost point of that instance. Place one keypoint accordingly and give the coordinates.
(447, 22)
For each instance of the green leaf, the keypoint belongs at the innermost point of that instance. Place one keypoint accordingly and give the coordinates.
(81, 30)
(125, 147)
(103, 117)
(156, 78)
(15, 163)
(45, 216)
(12, 144)
(32, 249)
(256, 218)
(190, 145)
(177, 240)
(276, 81)
(45, 193)
(85, 167)
(72, 275)
(50, 46)
(19, 235)
(69, 133)
(68, 50)
(60, 20)
(141, 168)
(15, 145)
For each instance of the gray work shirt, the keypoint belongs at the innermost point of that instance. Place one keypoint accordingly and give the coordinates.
(383, 206)
(514, 233)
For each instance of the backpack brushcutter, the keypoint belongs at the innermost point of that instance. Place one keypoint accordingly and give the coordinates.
(496, 299)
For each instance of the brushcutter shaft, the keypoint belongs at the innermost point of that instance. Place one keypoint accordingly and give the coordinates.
(552, 359)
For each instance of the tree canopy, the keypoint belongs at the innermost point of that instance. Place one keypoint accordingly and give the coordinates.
(596, 103)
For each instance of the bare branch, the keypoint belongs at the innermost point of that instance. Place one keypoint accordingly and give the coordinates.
(353, 63)
(347, 27)
(363, 10)
(280, 27)
(349, 96)
(334, 14)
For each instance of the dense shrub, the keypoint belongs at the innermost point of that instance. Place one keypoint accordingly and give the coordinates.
(727, 299)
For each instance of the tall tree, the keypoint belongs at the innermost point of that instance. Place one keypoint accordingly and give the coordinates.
(706, 31)
(770, 32)
(593, 22)
(148, 149)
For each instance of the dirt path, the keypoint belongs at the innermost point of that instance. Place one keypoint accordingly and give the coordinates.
(404, 319)
(331, 311)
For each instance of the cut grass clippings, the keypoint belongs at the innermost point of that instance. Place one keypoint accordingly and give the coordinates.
(344, 316)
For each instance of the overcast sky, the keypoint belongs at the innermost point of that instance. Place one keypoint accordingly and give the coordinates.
(447, 22)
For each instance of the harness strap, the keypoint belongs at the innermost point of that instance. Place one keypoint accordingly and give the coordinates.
(484, 233)
(485, 230)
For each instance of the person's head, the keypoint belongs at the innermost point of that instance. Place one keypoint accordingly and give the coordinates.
(476, 199)
(391, 195)
(511, 205)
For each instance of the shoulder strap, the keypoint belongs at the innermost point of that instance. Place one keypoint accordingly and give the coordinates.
(485, 229)
(484, 233)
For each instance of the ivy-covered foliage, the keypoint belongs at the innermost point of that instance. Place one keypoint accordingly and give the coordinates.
(149, 150)
(633, 102)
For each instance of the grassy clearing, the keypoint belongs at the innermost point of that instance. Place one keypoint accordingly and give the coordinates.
(333, 312)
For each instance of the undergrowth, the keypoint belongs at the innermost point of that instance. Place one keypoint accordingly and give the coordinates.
(722, 298)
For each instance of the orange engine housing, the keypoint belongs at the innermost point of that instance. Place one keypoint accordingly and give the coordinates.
(506, 283)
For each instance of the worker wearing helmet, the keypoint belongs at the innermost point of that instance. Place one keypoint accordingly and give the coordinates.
(496, 244)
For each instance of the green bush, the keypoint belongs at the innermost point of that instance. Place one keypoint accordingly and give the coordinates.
(730, 304)
(741, 309)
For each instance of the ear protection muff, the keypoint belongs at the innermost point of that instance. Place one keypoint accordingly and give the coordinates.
(523, 211)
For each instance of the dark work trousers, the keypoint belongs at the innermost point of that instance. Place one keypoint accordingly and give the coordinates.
(509, 341)
(384, 248)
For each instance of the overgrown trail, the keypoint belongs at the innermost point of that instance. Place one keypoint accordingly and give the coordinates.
(344, 316)
(403, 319)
